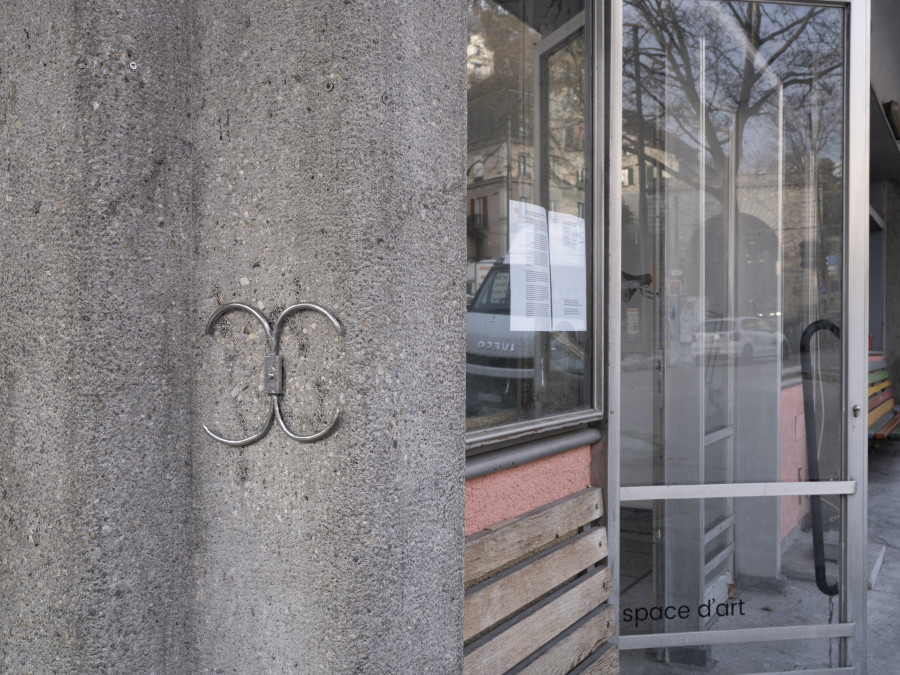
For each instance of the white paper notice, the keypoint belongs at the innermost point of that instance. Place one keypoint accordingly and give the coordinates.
(568, 272)
(529, 263)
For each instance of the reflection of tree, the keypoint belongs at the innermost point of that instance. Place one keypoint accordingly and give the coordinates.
(748, 53)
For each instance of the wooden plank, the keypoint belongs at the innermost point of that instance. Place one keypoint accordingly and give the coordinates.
(878, 375)
(880, 411)
(877, 364)
(572, 646)
(510, 643)
(501, 596)
(880, 424)
(888, 428)
(878, 399)
(875, 388)
(603, 662)
(490, 550)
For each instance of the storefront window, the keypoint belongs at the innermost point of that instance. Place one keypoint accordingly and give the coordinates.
(529, 351)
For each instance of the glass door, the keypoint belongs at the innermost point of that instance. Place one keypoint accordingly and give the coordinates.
(740, 462)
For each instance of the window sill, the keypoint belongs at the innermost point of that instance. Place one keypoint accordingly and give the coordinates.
(530, 451)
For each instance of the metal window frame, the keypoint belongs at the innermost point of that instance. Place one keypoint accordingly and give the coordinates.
(736, 636)
(854, 491)
(736, 490)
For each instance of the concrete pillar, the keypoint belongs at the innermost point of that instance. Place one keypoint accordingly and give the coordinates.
(329, 167)
(162, 158)
(95, 315)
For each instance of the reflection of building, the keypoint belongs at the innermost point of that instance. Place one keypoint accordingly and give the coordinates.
(479, 59)
(506, 161)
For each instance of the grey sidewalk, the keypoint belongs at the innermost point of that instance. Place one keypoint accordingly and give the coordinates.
(884, 531)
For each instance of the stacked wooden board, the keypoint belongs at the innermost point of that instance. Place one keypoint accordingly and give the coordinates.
(537, 593)
(884, 416)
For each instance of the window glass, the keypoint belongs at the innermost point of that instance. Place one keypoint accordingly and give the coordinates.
(729, 563)
(815, 654)
(732, 231)
(529, 240)
(732, 227)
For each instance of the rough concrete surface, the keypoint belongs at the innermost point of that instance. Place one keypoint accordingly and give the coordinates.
(329, 167)
(94, 449)
(160, 158)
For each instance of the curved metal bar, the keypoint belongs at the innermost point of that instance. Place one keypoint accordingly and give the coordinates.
(298, 307)
(273, 336)
(255, 437)
(240, 306)
(812, 448)
(297, 437)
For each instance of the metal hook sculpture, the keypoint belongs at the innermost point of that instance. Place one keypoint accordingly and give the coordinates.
(273, 367)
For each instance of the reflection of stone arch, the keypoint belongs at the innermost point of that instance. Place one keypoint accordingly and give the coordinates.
(756, 273)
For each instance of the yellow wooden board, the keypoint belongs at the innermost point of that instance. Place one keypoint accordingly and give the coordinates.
(875, 388)
(880, 411)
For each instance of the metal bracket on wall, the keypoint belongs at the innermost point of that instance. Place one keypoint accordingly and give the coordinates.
(273, 367)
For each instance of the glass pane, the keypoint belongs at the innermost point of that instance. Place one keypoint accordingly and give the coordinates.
(724, 564)
(733, 220)
(734, 659)
(528, 346)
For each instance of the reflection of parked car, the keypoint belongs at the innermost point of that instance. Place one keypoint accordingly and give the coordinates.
(500, 363)
(743, 337)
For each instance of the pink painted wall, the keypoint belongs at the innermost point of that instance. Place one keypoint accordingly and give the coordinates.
(499, 496)
(793, 455)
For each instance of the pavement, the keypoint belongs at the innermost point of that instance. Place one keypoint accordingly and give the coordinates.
(884, 533)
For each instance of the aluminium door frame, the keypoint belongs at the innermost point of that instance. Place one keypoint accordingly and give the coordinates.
(854, 489)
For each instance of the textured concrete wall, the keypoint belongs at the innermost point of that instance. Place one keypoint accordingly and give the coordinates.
(94, 374)
(284, 152)
(328, 167)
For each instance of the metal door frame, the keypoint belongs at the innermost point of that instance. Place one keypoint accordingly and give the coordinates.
(854, 490)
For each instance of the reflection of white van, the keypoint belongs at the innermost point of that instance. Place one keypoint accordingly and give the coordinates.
(500, 363)
(742, 338)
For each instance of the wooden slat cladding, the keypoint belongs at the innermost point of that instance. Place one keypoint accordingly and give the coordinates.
(602, 662)
(537, 597)
(503, 595)
(510, 643)
(491, 550)
(572, 646)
